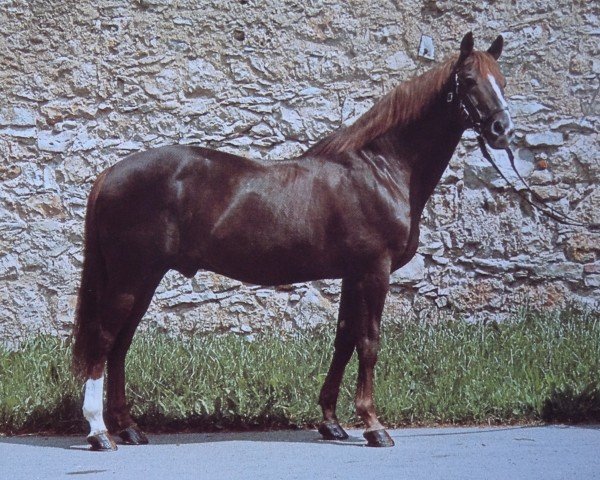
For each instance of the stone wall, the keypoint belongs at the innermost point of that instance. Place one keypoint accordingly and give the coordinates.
(85, 83)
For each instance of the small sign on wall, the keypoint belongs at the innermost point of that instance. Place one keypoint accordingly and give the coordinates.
(426, 48)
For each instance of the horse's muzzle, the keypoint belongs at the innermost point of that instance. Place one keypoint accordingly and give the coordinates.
(499, 130)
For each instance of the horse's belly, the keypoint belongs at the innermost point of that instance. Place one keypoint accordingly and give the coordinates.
(272, 264)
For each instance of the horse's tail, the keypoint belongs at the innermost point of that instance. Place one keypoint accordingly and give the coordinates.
(87, 329)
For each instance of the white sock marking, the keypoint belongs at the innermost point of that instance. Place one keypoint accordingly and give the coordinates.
(93, 404)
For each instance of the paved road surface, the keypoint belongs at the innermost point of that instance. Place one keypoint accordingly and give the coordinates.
(542, 452)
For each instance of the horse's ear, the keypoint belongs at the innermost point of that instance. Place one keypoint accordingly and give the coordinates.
(466, 47)
(496, 48)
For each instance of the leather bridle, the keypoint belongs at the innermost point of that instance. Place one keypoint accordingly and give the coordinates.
(470, 114)
(474, 119)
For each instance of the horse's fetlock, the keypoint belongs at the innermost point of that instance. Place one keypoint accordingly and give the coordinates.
(364, 406)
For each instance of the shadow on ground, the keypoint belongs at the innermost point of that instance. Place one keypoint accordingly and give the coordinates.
(279, 436)
(77, 442)
(569, 406)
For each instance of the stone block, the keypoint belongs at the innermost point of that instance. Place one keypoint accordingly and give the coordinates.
(400, 61)
(526, 107)
(592, 268)
(411, 273)
(17, 132)
(17, 117)
(592, 281)
(55, 142)
(544, 139)
(582, 247)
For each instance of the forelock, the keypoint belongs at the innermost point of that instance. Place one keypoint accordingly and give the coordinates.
(486, 65)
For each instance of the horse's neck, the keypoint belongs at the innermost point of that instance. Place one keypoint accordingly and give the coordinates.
(424, 148)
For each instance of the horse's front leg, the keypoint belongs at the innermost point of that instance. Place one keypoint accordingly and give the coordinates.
(374, 288)
(343, 350)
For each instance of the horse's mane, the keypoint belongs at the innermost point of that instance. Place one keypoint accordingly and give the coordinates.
(401, 106)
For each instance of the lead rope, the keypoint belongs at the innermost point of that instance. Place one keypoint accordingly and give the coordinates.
(540, 206)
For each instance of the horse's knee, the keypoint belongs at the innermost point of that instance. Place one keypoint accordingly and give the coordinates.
(368, 350)
(344, 344)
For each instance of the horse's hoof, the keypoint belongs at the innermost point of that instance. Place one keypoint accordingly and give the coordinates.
(378, 438)
(101, 442)
(132, 435)
(332, 431)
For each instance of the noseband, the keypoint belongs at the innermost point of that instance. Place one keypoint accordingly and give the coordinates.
(472, 118)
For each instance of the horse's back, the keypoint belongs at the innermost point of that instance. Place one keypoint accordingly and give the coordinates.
(170, 163)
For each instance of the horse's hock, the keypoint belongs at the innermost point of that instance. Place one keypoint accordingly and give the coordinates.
(84, 85)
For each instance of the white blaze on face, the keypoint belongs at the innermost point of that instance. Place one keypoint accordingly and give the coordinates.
(501, 99)
(93, 405)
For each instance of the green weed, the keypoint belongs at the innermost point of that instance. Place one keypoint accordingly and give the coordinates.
(535, 367)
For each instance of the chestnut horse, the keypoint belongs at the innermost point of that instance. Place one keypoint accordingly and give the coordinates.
(348, 208)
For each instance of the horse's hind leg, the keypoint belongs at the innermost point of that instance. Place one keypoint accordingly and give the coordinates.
(120, 307)
(114, 307)
(344, 347)
(99, 439)
(117, 413)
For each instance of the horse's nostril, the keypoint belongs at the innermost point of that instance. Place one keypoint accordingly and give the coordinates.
(498, 127)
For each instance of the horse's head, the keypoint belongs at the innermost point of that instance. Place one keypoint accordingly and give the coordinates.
(479, 86)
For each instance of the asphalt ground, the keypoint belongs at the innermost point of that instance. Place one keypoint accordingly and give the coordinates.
(522, 452)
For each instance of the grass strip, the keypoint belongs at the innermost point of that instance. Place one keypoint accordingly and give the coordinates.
(535, 367)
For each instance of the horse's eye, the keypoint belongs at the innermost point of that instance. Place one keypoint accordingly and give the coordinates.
(470, 81)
